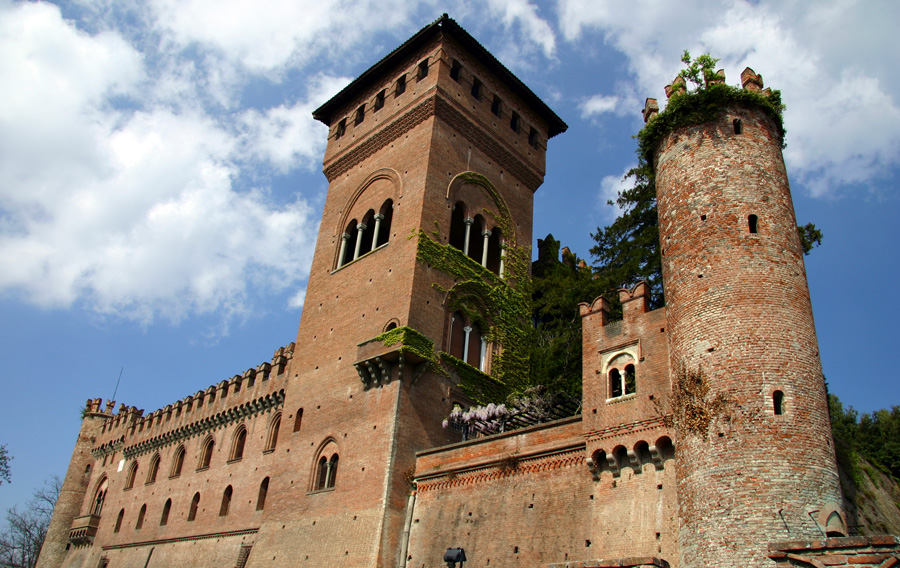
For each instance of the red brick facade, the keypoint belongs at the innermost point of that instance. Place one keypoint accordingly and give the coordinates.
(333, 453)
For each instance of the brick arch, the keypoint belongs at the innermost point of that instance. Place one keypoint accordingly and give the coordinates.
(351, 209)
(478, 193)
(327, 448)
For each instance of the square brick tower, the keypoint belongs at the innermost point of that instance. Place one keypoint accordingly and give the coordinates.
(440, 137)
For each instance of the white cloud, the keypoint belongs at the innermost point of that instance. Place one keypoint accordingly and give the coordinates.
(598, 105)
(128, 211)
(533, 28)
(610, 186)
(288, 136)
(843, 118)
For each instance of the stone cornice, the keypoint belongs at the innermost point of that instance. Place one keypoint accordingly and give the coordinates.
(505, 467)
(207, 536)
(627, 428)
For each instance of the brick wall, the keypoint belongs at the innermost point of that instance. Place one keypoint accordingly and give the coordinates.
(857, 551)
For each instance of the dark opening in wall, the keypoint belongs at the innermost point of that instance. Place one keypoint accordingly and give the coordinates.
(496, 106)
(476, 89)
(341, 128)
(140, 520)
(298, 420)
(752, 222)
(615, 383)
(119, 521)
(738, 126)
(164, 519)
(400, 87)
(384, 229)
(379, 101)
(360, 115)
(263, 493)
(226, 501)
(458, 226)
(533, 139)
(454, 70)
(514, 122)
(423, 69)
(195, 504)
(778, 402)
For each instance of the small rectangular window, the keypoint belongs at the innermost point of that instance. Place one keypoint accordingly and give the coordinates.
(360, 115)
(379, 101)
(341, 128)
(476, 89)
(423, 69)
(454, 70)
(514, 122)
(401, 86)
(533, 139)
(496, 106)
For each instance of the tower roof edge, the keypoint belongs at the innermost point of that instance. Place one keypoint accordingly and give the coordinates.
(445, 25)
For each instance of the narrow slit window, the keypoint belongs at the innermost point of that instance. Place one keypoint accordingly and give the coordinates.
(514, 122)
(496, 106)
(298, 420)
(119, 521)
(455, 70)
(778, 402)
(423, 70)
(263, 492)
(738, 125)
(341, 128)
(400, 87)
(476, 89)
(140, 520)
(360, 115)
(379, 101)
(753, 223)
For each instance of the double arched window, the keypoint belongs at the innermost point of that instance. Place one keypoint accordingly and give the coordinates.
(238, 442)
(99, 496)
(326, 472)
(475, 239)
(206, 455)
(622, 376)
(467, 342)
(366, 235)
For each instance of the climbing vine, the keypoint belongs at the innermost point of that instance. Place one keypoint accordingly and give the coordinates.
(693, 406)
(410, 340)
(500, 306)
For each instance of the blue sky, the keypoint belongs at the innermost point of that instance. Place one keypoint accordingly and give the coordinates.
(161, 185)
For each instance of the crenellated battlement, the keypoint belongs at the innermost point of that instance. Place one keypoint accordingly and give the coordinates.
(750, 81)
(129, 421)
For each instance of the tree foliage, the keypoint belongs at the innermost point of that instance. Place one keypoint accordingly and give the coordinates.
(875, 436)
(5, 458)
(22, 538)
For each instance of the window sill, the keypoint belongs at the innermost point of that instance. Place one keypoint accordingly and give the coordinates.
(269, 451)
(354, 261)
(176, 476)
(622, 398)
(204, 468)
(234, 460)
(317, 491)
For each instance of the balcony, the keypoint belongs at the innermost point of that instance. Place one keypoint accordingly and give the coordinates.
(84, 529)
(401, 353)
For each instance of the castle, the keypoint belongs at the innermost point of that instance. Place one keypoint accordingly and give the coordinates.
(704, 438)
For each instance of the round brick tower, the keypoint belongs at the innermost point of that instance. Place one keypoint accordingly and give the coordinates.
(756, 458)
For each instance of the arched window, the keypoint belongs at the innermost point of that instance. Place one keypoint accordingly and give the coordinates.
(383, 225)
(368, 235)
(298, 419)
(622, 376)
(178, 462)
(237, 446)
(263, 492)
(778, 402)
(473, 355)
(322, 473)
(195, 504)
(206, 455)
(272, 437)
(615, 383)
(495, 251)
(348, 243)
(476, 239)
(154, 469)
(100, 496)
(140, 519)
(226, 501)
(132, 473)
(457, 335)
(332, 472)
(458, 227)
(119, 520)
(164, 519)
